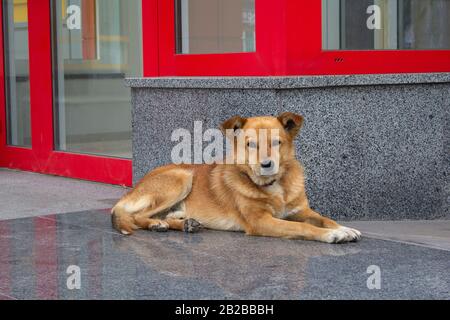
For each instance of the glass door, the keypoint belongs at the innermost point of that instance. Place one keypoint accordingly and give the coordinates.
(65, 109)
(96, 44)
(16, 72)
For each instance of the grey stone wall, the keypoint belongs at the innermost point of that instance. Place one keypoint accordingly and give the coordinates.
(373, 147)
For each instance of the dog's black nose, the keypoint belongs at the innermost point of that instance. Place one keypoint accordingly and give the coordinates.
(267, 164)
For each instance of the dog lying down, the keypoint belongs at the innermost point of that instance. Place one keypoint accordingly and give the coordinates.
(236, 196)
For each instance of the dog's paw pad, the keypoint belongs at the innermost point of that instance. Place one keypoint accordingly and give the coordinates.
(160, 227)
(342, 235)
(353, 235)
(192, 226)
(337, 236)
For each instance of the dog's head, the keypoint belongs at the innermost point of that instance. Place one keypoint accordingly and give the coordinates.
(263, 146)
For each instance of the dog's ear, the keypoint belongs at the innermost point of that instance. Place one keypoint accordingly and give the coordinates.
(236, 123)
(291, 122)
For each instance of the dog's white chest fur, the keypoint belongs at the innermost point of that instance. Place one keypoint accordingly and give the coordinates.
(277, 191)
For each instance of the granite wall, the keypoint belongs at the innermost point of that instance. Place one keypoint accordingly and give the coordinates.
(373, 146)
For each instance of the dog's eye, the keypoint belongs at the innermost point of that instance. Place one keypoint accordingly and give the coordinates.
(251, 144)
(276, 143)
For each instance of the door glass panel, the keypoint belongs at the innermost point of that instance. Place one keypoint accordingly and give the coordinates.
(215, 26)
(96, 44)
(17, 74)
(386, 24)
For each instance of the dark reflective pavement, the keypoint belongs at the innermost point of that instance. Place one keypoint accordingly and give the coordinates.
(36, 252)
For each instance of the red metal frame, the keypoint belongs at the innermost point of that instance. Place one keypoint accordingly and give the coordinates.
(289, 42)
(267, 60)
(305, 55)
(150, 38)
(42, 157)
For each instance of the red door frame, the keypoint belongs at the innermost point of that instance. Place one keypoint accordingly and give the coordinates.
(289, 42)
(305, 55)
(269, 58)
(42, 157)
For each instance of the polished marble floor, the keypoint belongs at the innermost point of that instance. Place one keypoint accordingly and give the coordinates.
(27, 194)
(36, 254)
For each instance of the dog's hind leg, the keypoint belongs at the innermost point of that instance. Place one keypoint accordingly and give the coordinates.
(151, 224)
(186, 225)
(158, 192)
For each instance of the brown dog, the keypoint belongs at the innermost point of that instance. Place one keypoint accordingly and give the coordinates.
(235, 197)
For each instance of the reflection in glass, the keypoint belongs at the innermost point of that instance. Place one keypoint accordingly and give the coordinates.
(385, 24)
(96, 44)
(215, 26)
(17, 74)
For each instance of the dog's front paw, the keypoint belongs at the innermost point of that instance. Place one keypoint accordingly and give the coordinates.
(192, 226)
(161, 226)
(342, 235)
(353, 234)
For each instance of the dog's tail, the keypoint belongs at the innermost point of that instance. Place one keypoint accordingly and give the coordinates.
(122, 220)
(123, 212)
